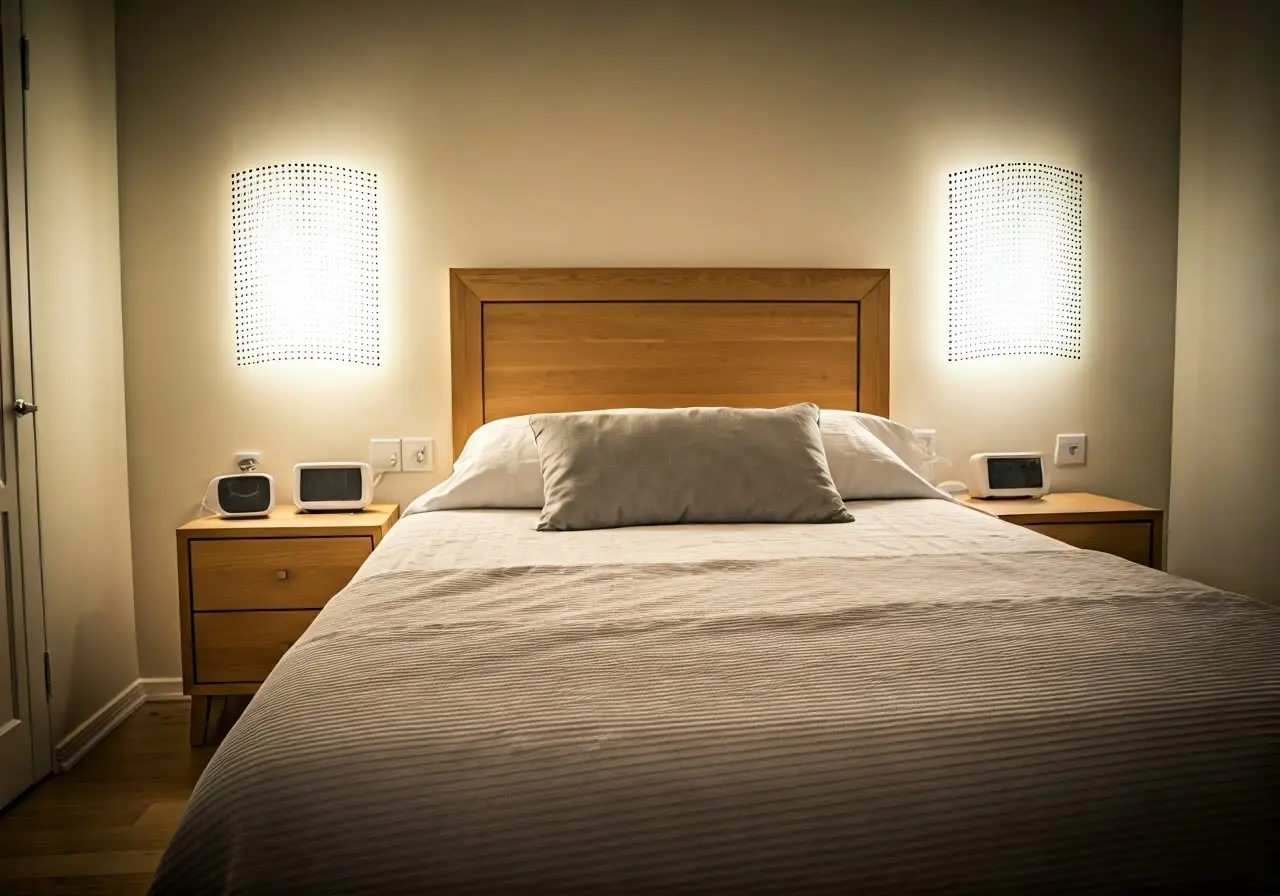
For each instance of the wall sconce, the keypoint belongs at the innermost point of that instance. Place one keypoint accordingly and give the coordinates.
(305, 256)
(1014, 268)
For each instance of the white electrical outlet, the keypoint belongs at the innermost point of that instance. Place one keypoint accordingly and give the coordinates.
(927, 436)
(384, 455)
(1071, 450)
(248, 461)
(419, 454)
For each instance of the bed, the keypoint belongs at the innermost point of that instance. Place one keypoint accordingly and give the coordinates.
(928, 698)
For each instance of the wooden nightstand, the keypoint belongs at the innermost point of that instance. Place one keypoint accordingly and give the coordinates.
(248, 588)
(1088, 521)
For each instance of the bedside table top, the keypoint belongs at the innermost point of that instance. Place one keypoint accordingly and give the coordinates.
(288, 520)
(1062, 506)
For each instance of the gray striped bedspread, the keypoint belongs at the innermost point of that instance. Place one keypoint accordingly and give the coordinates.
(1049, 720)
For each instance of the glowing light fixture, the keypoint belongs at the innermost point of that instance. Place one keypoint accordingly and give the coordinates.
(1015, 261)
(305, 256)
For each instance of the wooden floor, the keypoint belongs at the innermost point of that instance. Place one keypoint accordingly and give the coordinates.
(101, 827)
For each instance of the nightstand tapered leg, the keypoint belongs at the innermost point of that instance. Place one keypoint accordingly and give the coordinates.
(199, 719)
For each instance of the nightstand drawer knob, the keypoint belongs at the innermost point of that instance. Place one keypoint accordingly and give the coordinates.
(282, 574)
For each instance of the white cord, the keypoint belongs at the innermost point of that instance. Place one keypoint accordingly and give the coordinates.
(377, 479)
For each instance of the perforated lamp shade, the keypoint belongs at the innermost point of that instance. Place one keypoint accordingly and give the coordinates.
(305, 257)
(1015, 261)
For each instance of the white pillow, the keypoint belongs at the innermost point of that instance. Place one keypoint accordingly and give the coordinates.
(499, 467)
(869, 457)
(901, 440)
(862, 466)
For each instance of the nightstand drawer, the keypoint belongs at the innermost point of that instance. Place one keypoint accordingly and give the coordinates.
(273, 573)
(1132, 541)
(232, 647)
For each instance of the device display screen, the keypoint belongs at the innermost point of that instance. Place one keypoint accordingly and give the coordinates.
(1014, 472)
(330, 484)
(244, 494)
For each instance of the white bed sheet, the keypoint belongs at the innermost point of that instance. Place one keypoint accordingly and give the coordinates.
(925, 700)
(466, 539)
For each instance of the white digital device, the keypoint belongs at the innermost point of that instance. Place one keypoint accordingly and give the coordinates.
(241, 495)
(1009, 474)
(332, 486)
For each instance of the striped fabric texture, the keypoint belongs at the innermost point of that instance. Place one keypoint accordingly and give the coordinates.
(1052, 721)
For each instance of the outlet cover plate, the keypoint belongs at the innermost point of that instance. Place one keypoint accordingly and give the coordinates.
(384, 455)
(416, 447)
(1071, 450)
(247, 461)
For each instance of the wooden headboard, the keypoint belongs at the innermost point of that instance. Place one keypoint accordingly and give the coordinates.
(531, 340)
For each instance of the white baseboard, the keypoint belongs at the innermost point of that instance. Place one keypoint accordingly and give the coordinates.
(163, 690)
(72, 748)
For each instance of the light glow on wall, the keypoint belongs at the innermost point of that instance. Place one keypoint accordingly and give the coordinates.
(1015, 270)
(306, 267)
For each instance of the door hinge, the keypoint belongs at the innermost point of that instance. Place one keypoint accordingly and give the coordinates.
(48, 676)
(25, 53)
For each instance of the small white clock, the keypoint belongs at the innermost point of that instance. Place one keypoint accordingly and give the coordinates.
(1009, 474)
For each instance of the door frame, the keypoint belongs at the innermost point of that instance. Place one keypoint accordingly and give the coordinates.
(29, 638)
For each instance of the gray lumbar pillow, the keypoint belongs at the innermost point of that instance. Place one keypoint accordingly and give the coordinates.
(690, 465)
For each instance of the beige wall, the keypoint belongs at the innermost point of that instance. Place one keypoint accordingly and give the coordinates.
(663, 133)
(1224, 520)
(73, 216)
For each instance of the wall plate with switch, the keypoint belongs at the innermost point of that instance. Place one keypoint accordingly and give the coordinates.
(419, 454)
(1071, 450)
(384, 455)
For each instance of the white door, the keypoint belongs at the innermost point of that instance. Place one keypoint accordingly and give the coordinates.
(25, 755)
